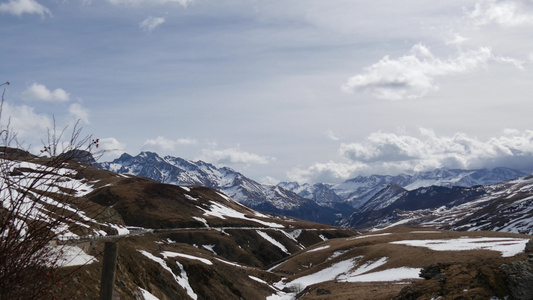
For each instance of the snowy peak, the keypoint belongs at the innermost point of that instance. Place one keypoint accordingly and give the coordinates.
(318, 202)
(178, 171)
(321, 193)
(357, 191)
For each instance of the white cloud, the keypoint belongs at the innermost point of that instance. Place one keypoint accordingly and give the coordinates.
(163, 143)
(25, 122)
(429, 150)
(234, 156)
(503, 13)
(79, 112)
(390, 153)
(20, 7)
(40, 92)
(332, 136)
(384, 147)
(269, 180)
(413, 76)
(151, 23)
(457, 39)
(111, 146)
(326, 172)
(141, 2)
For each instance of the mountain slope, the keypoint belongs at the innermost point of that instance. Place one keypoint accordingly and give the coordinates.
(501, 207)
(390, 264)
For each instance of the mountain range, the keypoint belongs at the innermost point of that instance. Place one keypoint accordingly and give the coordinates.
(357, 191)
(320, 202)
(196, 242)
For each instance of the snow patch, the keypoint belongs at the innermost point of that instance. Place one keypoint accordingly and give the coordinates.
(507, 246)
(210, 248)
(201, 220)
(167, 254)
(319, 248)
(220, 211)
(147, 295)
(182, 279)
(273, 241)
(396, 274)
(367, 236)
(69, 256)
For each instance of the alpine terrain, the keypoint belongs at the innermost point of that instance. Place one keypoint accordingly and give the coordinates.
(268, 198)
(321, 202)
(196, 242)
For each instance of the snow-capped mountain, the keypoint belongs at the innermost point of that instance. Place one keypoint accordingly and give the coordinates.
(359, 190)
(319, 202)
(506, 207)
(178, 171)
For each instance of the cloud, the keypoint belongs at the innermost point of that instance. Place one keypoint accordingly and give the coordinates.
(40, 92)
(166, 144)
(111, 146)
(503, 13)
(20, 7)
(332, 136)
(429, 150)
(25, 122)
(390, 153)
(79, 112)
(152, 2)
(151, 23)
(325, 172)
(269, 180)
(413, 76)
(234, 156)
(457, 39)
(384, 147)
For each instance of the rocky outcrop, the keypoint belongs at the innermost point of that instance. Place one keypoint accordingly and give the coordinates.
(519, 275)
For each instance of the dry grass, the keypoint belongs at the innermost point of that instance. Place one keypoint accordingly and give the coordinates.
(470, 274)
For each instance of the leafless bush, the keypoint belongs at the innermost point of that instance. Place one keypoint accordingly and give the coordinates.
(39, 207)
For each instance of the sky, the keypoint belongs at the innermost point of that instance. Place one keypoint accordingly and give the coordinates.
(279, 90)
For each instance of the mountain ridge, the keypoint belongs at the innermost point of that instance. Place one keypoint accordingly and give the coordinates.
(270, 198)
(320, 202)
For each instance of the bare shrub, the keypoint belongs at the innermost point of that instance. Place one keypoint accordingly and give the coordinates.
(39, 207)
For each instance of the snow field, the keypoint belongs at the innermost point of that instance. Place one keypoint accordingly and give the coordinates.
(344, 271)
(220, 211)
(507, 246)
(69, 256)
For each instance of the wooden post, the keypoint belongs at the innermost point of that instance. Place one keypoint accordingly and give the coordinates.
(108, 271)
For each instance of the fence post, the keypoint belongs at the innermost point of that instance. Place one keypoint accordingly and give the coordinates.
(108, 271)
